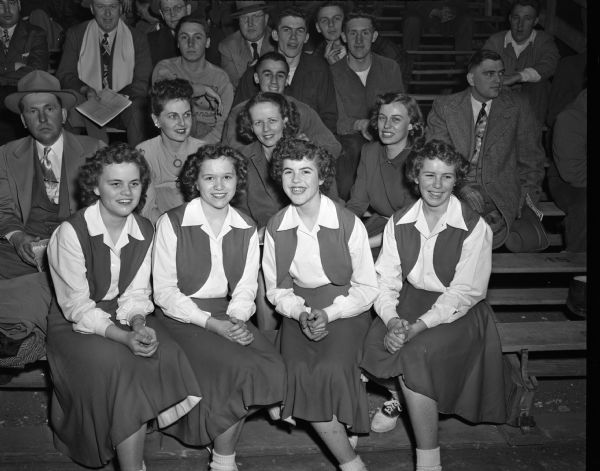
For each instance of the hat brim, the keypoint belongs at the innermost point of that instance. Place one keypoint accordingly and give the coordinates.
(246, 10)
(67, 99)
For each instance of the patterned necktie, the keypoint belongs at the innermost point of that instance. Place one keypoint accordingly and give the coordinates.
(50, 180)
(5, 40)
(105, 61)
(480, 125)
(254, 51)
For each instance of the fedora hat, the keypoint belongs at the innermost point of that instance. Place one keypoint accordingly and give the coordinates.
(244, 7)
(39, 81)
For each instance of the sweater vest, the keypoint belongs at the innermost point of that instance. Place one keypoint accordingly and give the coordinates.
(333, 245)
(45, 216)
(448, 245)
(97, 255)
(193, 255)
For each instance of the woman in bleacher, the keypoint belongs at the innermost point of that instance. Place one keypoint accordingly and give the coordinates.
(435, 332)
(320, 276)
(205, 270)
(114, 368)
(171, 102)
(381, 185)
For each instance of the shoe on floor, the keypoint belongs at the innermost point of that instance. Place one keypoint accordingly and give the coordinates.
(386, 417)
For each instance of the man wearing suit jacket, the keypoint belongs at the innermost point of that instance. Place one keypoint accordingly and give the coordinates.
(38, 187)
(162, 42)
(106, 53)
(238, 49)
(505, 153)
(31, 205)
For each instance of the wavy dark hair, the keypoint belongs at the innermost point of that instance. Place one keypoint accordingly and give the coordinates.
(436, 149)
(415, 135)
(297, 149)
(358, 13)
(294, 11)
(196, 18)
(121, 153)
(287, 109)
(193, 164)
(169, 89)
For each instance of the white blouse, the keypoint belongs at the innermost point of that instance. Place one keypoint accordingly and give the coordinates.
(67, 267)
(469, 285)
(164, 271)
(307, 270)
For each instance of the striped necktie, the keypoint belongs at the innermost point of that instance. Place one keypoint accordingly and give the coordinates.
(50, 180)
(254, 51)
(5, 40)
(105, 61)
(480, 125)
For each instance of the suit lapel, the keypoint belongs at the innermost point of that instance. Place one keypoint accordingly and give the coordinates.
(501, 117)
(460, 127)
(21, 168)
(71, 149)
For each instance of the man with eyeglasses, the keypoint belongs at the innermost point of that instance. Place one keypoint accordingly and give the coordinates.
(243, 48)
(162, 42)
(106, 53)
(23, 48)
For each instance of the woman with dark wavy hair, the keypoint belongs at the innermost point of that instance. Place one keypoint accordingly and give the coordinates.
(205, 271)
(381, 187)
(266, 118)
(435, 333)
(171, 105)
(320, 277)
(107, 385)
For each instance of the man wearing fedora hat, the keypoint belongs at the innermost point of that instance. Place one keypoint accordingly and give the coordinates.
(32, 203)
(38, 185)
(244, 47)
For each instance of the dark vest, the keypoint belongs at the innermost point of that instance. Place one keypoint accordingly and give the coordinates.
(97, 256)
(447, 250)
(44, 215)
(193, 256)
(333, 244)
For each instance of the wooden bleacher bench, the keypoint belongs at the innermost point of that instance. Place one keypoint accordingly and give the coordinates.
(537, 348)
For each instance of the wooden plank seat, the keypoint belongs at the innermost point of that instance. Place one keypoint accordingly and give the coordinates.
(526, 296)
(521, 341)
(564, 262)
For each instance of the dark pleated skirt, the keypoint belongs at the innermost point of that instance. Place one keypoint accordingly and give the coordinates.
(103, 393)
(459, 365)
(323, 378)
(232, 377)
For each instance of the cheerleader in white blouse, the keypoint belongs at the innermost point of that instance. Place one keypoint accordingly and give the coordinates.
(320, 276)
(113, 366)
(435, 331)
(205, 270)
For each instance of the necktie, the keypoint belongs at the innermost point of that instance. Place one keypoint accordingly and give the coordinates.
(480, 125)
(5, 40)
(50, 180)
(105, 61)
(254, 51)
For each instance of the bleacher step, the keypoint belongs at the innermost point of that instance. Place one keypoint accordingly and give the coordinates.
(542, 336)
(564, 262)
(527, 296)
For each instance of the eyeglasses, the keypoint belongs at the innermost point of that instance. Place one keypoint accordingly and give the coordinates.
(247, 19)
(6, 4)
(173, 11)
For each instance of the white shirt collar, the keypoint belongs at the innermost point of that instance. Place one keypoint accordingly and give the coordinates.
(11, 30)
(194, 216)
(258, 44)
(57, 150)
(96, 226)
(327, 216)
(453, 216)
(508, 39)
(111, 35)
(476, 106)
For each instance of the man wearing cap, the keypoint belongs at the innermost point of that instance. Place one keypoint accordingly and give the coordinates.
(23, 48)
(244, 47)
(106, 53)
(38, 185)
